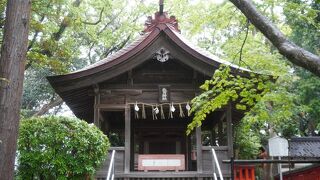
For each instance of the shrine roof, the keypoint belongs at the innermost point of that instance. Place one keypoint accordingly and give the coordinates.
(77, 88)
(304, 147)
(154, 27)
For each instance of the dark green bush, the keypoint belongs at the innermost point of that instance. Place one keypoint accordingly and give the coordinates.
(59, 148)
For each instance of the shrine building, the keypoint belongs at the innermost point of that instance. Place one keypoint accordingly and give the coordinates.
(140, 97)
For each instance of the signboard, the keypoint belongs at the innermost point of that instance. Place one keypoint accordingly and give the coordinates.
(278, 146)
(164, 93)
(161, 162)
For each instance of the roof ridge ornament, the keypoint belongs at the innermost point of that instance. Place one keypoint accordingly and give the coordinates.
(161, 7)
(160, 18)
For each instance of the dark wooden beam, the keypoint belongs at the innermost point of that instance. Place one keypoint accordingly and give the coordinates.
(194, 78)
(127, 142)
(199, 149)
(119, 91)
(101, 118)
(132, 92)
(96, 118)
(111, 106)
(130, 79)
(146, 86)
(103, 121)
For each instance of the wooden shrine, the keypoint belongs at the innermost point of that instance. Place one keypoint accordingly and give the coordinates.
(141, 96)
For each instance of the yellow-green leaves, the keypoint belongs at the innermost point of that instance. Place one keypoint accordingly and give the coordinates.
(225, 88)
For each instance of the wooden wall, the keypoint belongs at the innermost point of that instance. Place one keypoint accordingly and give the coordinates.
(222, 154)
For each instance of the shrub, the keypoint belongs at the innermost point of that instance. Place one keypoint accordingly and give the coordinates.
(59, 148)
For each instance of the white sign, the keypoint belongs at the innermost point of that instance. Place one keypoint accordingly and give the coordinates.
(278, 146)
(161, 162)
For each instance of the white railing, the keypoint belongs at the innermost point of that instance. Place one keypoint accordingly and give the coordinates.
(215, 163)
(110, 175)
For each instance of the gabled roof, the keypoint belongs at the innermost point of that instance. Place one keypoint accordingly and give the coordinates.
(154, 28)
(160, 31)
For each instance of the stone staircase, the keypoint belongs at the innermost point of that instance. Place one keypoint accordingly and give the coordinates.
(184, 175)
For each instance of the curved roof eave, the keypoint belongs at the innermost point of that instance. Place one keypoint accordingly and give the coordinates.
(140, 44)
(114, 59)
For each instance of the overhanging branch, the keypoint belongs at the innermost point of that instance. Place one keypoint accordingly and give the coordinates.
(97, 22)
(291, 51)
(45, 108)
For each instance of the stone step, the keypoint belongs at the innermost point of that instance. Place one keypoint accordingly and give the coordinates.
(185, 175)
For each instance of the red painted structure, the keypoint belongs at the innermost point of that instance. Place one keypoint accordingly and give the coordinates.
(308, 173)
(244, 172)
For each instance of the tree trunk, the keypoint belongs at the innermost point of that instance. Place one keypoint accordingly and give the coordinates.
(291, 51)
(12, 62)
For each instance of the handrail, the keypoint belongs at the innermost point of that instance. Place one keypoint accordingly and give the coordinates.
(216, 162)
(110, 175)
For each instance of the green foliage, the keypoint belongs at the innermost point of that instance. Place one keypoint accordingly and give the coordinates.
(224, 88)
(308, 89)
(36, 90)
(304, 19)
(277, 111)
(257, 54)
(115, 139)
(59, 148)
(63, 32)
(290, 107)
(247, 142)
(69, 35)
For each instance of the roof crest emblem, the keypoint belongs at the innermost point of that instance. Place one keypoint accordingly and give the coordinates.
(162, 55)
(160, 17)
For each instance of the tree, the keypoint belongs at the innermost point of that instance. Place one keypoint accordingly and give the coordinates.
(304, 18)
(290, 107)
(69, 35)
(13, 56)
(59, 148)
(293, 52)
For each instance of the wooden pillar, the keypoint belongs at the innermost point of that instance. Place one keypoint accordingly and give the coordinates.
(96, 119)
(127, 139)
(229, 131)
(199, 149)
(188, 153)
(220, 133)
(214, 136)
